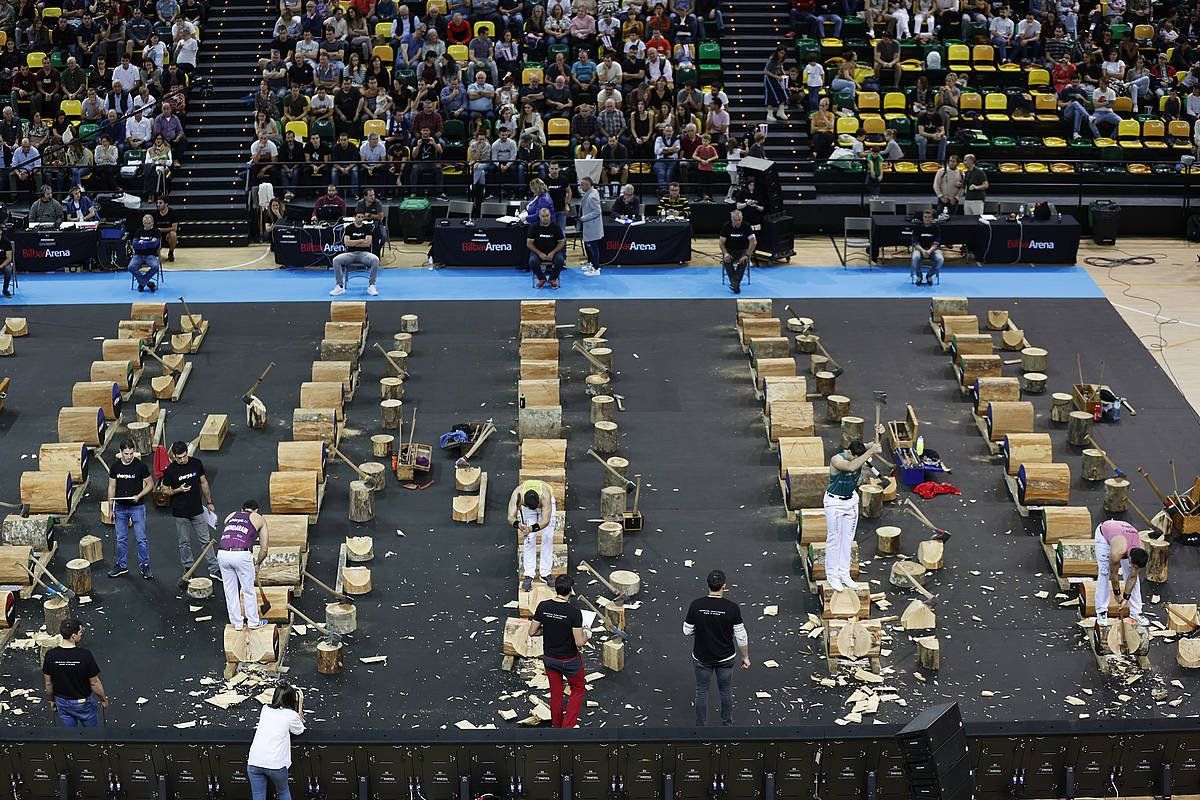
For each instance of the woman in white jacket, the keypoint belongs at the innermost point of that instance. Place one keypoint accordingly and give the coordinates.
(271, 751)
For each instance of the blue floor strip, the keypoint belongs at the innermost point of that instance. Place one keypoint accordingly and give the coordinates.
(258, 286)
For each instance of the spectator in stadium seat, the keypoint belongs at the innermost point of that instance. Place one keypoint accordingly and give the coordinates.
(1072, 104)
(887, 58)
(105, 162)
(330, 198)
(291, 161)
(947, 99)
(583, 74)
(804, 20)
(925, 15)
(95, 109)
(1191, 108)
(79, 162)
(666, 155)
(157, 166)
(582, 29)
(263, 155)
(481, 97)
(977, 12)
(559, 101)
(1102, 112)
(930, 129)
(1067, 12)
(139, 129)
(374, 157)
(345, 106)
(583, 125)
(479, 158)
(358, 33)
(610, 122)
(458, 30)
(947, 186)
(1028, 40)
(827, 11)
(425, 158)
(1001, 31)
(343, 159)
(428, 117)
(479, 52)
(511, 15)
(487, 11)
(506, 169)
(556, 27)
(385, 11)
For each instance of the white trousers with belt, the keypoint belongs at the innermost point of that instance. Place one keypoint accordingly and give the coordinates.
(1104, 579)
(529, 516)
(841, 520)
(237, 578)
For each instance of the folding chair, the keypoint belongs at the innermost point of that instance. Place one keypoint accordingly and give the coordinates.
(856, 234)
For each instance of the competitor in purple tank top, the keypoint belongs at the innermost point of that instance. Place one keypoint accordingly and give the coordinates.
(238, 563)
(239, 532)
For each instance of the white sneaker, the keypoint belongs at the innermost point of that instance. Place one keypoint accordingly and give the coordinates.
(854, 586)
(1140, 620)
(337, 290)
(590, 271)
(771, 115)
(371, 290)
(782, 113)
(835, 584)
(1102, 620)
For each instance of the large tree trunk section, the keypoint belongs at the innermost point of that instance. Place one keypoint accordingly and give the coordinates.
(589, 321)
(79, 575)
(36, 531)
(362, 502)
(119, 372)
(947, 306)
(854, 640)
(348, 310)
(995, 390)
(887, 540)
(345, 331)
(410, 323)
(13, 561)
(1156, 567)
(1093, 467)
(81, 424)
(953, 324)
(537, 453)
(929, 652)
(1044, 484)
(837, 406)
(340, 371)
(806, 486)
(541, 349)
(314, 425)
(789, 419)
(341, 618)
(852, 430)
(770, 347)
(301, 457)
(1034, 382)
(931, 554)
(538, 369)
(91, 548)
(71, 457)
(806, 343)
(199, 588)
(612, 655)
(628, 582)
(253, 645)
(1075, 558)
(382, 445)
(612, 503)
(1061, 405)
(323, 395)
(46, 492)
(1071, 522)
(918, 617)
(359, 549)
(596, 385)
(280, 567)
(826, 383)
(56, 611)
(140, 433)
(103, 394)
(391, 412)
(391, 388)
(605, 356)
(140, 329)
(1079, 428)
(543, 422)
(122, 350)
(329, 657)
(606, 437)
(604, 408)
(904, 574)
(1116, 495)
(1004, 418)
(339, 350)
(618, 465)
(1034, 359)
(610, 539)
(1026, 448)
(356, 580)
(872, 501)
(975, 367)
(972, 344)
(376, 475)
(294, 492)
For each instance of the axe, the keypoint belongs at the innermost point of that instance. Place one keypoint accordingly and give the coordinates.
(183, 582)
(191, 317)
(248, 398)
(930, 599)
(939, 534)
(603, 619)
(334, 638)
(264, 605)
(1107, 460)
(591, 359)
(353, 466)
(344, 598)
(402, 373)
(58, 589)
(22, 509)
(613, 472)
(789, 310)
(586, 567)
(167, 368)
(880, 402)
(465, 461)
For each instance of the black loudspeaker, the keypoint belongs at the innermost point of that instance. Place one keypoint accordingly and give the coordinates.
(775, 236)
(416, 221)
(766, 182)
(934, 748)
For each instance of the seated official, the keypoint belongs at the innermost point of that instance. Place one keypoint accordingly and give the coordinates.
(146, 245)
(329, 206)
(673, 204)
(80, 207)
(46, 208)
(737, 243)
(547, 249)
(627, 205)
(926, 247)
(359, 239)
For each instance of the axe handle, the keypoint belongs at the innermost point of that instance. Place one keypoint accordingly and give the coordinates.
(307, 619)
(488, 430)
(603, 619)
(591, 359)
(825, 353)
(921, 590)
(188, 311)
(326, 587)
(196, 564)
(395, 366)
(637, 494)
(38, 580)
(351, 464)
(586, 567)
(604, 464)
(258, 382)
(158, 358)
(1104, 453)
(264, 605)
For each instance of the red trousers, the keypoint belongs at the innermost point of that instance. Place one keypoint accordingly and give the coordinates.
(575, 704)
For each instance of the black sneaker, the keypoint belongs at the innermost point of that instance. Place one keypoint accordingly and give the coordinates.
(153, 286)
(7, 293)
(146, 573)
(141, 288)
(118, 571)
(735, 288)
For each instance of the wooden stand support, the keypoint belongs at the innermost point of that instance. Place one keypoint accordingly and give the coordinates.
(852, 430)
(1116, 495)
(589, 321)
(603, 408)
(362, 502)
(610, 539)
(382, 445)
(627, 581)
(1034, 382)
(1034, 359)
(872, 501)
(390, 414)
(606, 436)
(837, 406)
(56, 611)
(612, 503)
(887, 540)
(410, 323)
(341, 618)
(1079, 428)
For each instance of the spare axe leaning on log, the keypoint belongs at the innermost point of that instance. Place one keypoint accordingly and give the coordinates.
(235, 556)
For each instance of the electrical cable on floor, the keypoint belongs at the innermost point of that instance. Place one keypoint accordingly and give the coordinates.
(1155, 342)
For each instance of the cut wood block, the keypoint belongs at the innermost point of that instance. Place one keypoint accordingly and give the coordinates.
(359, 549)
(1087, 600)
(775, 367)
(960, 323)
(538, 393)
(148, 412)
(1004, 418)
(972, 344)
(152, 310)
(518, 642)
(307, 456)
(252, 645)
(528, 602)
(81, 424)
(784, 387)
(753, 307)
(988, 390)
(91, 548)
(800, 451)
(537, 329)
(770, 347)
(16, 326)
(918, 617)
(323, 394)
(334, 371)
(975, 367)
(1182, 617)
(789, 418)
(1026, 448)
(1187, 653)
(465, 508)
(316, 424)
(806, 487)
(539, 422)
(344, 331)
(1044, 484)
(929, 653)
(69, 457)
(6, 345)
(612, 655)
(13, 561)
(543, 453)
(1065, 522)
(119, 372)
(339, 350)
(538, 369)
(1075, 558)
(947, 306)
(212, 433)
(141, 329)
(122, 350)
(760, 327)
(287, 530)
(816, 561)
(356, 580)
(930, 553)
(348, 311)
(538, 309)
(281, 567)
(294, 492)
(538, 349)
(812, 526)
(163, 386)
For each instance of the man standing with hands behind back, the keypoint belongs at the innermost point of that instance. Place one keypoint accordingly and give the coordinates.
(129, 482)
(185, 482)
(560, 625)
(72, 677)
(716, 625)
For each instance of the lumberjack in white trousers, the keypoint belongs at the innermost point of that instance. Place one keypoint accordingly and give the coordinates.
(841, 511)
(235, 557)
(531, 511)
(1118, 544)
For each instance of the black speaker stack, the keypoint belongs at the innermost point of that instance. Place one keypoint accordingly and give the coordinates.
(766, 182)
(934, 749)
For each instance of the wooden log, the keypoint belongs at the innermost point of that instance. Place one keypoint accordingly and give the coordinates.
(539, 423)
(341, 618)
(359, 549)
(377, 475)
(929, 653)
(1093, 466)
(887, 540)
(606, 437)
(784, 387)
(71, 457)
(46, 492)
(1034, 359)
(543, 453)
(362, 502)
(16, 326)
(517, 641)
(79, 575)
(339, 350)
(770, 347)
(329, 657)
(539, 349)
(1069, 522)
(807, 343)
(199, 588)
(826, 383)
(391, 388)
(975, 367)
(854, 640)
(798, 324)
(402, 342)
(14, 559)
(1004, 418)
(6, 345)
(988, 390)
(852, 430)
(81, 424)
(946, 306)
(789, 419)
(628, 582)
(931, 554)
(294, 492)
(1026, 448)
(382, 445)
(340, 371)
(837, 406)
(871, 499)
(538, 393)
(305, 456)
(118, 372)
(610, 539)
(618, 465)
(605, 356)
(1158, 550)
(410, 323)
(1079, 428)
(356, 580)
(163, 386)
(1075, 558)
(35, 531)
(972, 344)
(348, 310)
(1187, 653)
(904, 574)
(755, 327)
(1116, 495)
(753, 307)
(396, 363)
(589, 321)
(140, 433)
(1044, 484)
(216, 426)
(147, 412)
(612, 503)
(252, 645)
(817, 362)
(1034, 382)
(595, 385)
(806, 486)
(323, 395)
(1061, 404)
(56, 611)
(1183, 617)
(122, 350)
(918, 617)
(997, 320)
(105, 395)
(466, 479)
(152, 310)
(538, 369)
(91, 548)
(288, 530)
(346, 331)
(953, 324)
(280, 567)
(612, 655)
(603, 408)
(391, 412)
(465, 508)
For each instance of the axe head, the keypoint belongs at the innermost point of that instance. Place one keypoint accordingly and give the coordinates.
(837, 372)
(940, 535)
(880, 397)
(334, 638)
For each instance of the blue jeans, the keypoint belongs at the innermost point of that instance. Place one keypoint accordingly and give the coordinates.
(839, 85)
(77, 713)
(556, 265)
(152, 264)
(923, 146)
(724, 684)
(78, 174)
(931, 270)
(1105, 115)
(1075, 114)
(259, 778)
(593, 252)
(123, 517)
(666, 169)
(820, 28)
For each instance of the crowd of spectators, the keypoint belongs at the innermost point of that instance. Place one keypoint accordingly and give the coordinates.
(94, 86)
(486, 92)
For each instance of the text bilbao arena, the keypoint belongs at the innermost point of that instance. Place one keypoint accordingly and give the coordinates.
(648, 247)
(317, 247)
(1018, 244)
(46, 248)
(486, 247)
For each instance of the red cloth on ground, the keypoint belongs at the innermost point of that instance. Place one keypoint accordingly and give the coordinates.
(929, 490)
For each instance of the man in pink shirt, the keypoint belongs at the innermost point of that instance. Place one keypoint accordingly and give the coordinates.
(1118, 544)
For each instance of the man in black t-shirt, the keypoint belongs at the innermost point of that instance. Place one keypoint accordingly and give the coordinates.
(184, 481)
(72, 677)
(926, 246)
(737, 243)
(547, 246)
(715, 625)
(560, 192)
(6, 262)
(129, 482)
(168, 226)
(560, 625)
(360, 239)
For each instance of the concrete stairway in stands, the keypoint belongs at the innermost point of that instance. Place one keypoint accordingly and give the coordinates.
(752, 30)
(207, 189)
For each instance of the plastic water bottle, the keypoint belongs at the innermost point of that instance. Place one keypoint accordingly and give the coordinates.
(1060, 218)
(921, 445)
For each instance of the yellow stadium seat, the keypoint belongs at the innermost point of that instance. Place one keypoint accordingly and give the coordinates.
(383, 30)
(1009, 66)
(458, 52)
(385, 52)
(930, 166)
(51, 12)
(895, 105)
(1009, 168)
(959, 58)
(298, 127)
(1045, 107)
(1154, 134)
(35, 60)
(529, 72)
(3, 38)
(558, 132)
(911, 65)
(440, 5)
(1054, 141)
(1123, 105)
(996, 106)
(847, 125)
(485, 25)
(970, 101)
(906, 166)
(868, 105)
(831, 42)
(374, 126)
(1142, 33)
(1181, 132)
(1104, 142)
(862, 73)
(1038, 79)
(1036, 167)
(1129, 134)
(72, 108)
(983, 58)
(1139, 169)
(874, 126)
(1060, 168)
